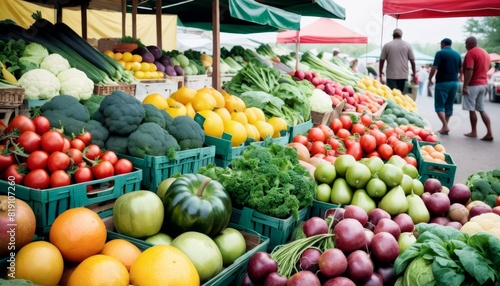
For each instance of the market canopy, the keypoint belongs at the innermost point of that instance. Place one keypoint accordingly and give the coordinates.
(495, 57)
(322, 31)
(416, 9)
(419, 57)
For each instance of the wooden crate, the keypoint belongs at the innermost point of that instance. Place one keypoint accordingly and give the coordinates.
(11, 97)
(107, 89)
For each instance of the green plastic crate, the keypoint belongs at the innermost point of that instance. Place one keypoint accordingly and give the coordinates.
(445, 173)
(319, 209)
(155, 169)
(224, 150)
(98, 195)
(279, 231)
(282, 140)
(298, 129)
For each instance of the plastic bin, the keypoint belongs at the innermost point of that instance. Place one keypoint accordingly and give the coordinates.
(155, 169)
(98, 195)
(302, 128)
(278, 230)
(445, 173)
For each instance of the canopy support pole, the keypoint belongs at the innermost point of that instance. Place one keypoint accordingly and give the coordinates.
(158, 24)
(85, 5)
(124, 17)
(216, 45)
(297, 43)
(134, 19)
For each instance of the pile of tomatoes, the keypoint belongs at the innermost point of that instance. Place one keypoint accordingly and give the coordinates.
(36, 156)
(362, 137)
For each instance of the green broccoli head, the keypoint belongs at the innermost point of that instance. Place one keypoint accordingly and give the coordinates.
(66, 112)
(495, 187)
(491, 200)
(154, 115)
(187, 132)
(118, 144)
(122, 112)
(150, 139)
(168, 118)
(481, 186)
(496, 173)
(99, 133)
(92, 104)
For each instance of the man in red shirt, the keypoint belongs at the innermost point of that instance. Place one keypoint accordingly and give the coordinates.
(475, 68)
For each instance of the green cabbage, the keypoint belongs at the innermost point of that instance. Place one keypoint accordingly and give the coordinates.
(419, 273)
(32, 57)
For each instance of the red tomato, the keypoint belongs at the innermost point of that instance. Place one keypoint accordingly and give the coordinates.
(431, 138)
(316, 134)
(37, 179)
(6, 159)
(103, 169)
(92, 151)
(38, 160)
(335, 125)
(411, 160)
(410, 145)
(346, 121)
(67, 144)
(319, 155)
(59, 178)
(400, 148)
(14, 173)
(109, 156)
(30, 141)
(22, 123)
(301, 139)
(343, 133)
(86, 137)
(327, 130)
(388, 132)
(349, 141)
(330, 159)
(391, 140)
(355, 150)
(380, 136)
(318, 147)
(409, 134)
(83, 174)
(333, 142)
(42, 124)
(358, 128)
(368, 143)
(52, 141)
(497, 203)
(371, 154)
(78, 144)
(123, 166)
(75, 155)
(366, 120)
(58, 161)
(379, 124)
(385, 151)
(423, 133)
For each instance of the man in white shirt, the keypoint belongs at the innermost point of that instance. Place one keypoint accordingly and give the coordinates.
(423, 76)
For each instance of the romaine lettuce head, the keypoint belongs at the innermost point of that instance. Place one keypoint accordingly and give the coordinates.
(35, 53)
(419, 273)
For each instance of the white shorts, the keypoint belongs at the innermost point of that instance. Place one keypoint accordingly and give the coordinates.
(474, 100)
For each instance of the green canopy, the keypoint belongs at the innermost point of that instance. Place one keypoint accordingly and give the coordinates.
(245, 16)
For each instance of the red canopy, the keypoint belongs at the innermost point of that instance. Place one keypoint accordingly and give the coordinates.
(323, 31)
(495, 57)
(416, 9)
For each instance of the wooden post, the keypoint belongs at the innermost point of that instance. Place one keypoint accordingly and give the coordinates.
(59, 10)
(216, 45)
(85, 5)
(134, 18)
(124, 18)
(158, 23)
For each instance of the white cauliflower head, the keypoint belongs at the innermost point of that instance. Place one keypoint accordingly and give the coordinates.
(74, 82)
(320, 101)
(39, 84)
(54, 63)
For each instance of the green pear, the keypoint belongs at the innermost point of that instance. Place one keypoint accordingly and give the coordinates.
(361, 199)
(341, 192)
(391, 175)
(397, 161)
(394, 202)
(418, 187)
(407, 184)
(417, 209)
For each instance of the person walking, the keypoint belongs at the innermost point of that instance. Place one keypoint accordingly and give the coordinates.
(475, 68)
(423, 76)
(447, 63)
(397, 53)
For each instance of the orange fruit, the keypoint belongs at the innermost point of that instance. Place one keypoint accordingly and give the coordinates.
(163, 265)
(127, 57)
(122, 250)
(156, 99)
(190, 110)
(251, 117)
(259, 114)
(237, 131)
(437, 155)
(39, 262)
(184, 94)
(203, 101)
(99, 269)
(179, 110)
(118, 56)
(223, 113)
(136, 58)
(234, 103)
(252, 132)
(213, 124)
(440, 148)
(78, 233)
(265, 129)
(240, 117)
(219, 99)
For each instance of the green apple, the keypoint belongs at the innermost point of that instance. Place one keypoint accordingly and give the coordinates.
(159, 238)
(323, 193)
(405, 240)
(232, 244)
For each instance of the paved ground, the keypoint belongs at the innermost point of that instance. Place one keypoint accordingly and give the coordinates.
(469, 154)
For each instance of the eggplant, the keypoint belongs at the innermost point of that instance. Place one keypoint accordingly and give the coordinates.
(166, 61)
(178, 70)
(145, 54)
(159, 66)
(170, 71)
(155, 51)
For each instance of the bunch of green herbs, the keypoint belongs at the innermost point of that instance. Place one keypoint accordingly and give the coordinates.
(267, 178)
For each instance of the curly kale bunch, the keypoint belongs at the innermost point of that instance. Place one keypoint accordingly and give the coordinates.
(268, 179)
(485, 186)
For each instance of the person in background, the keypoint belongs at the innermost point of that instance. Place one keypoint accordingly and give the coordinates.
(423, 76)
(336, 52)
(475, 68)
(397, 53)
(447, 63)
(354, 65)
